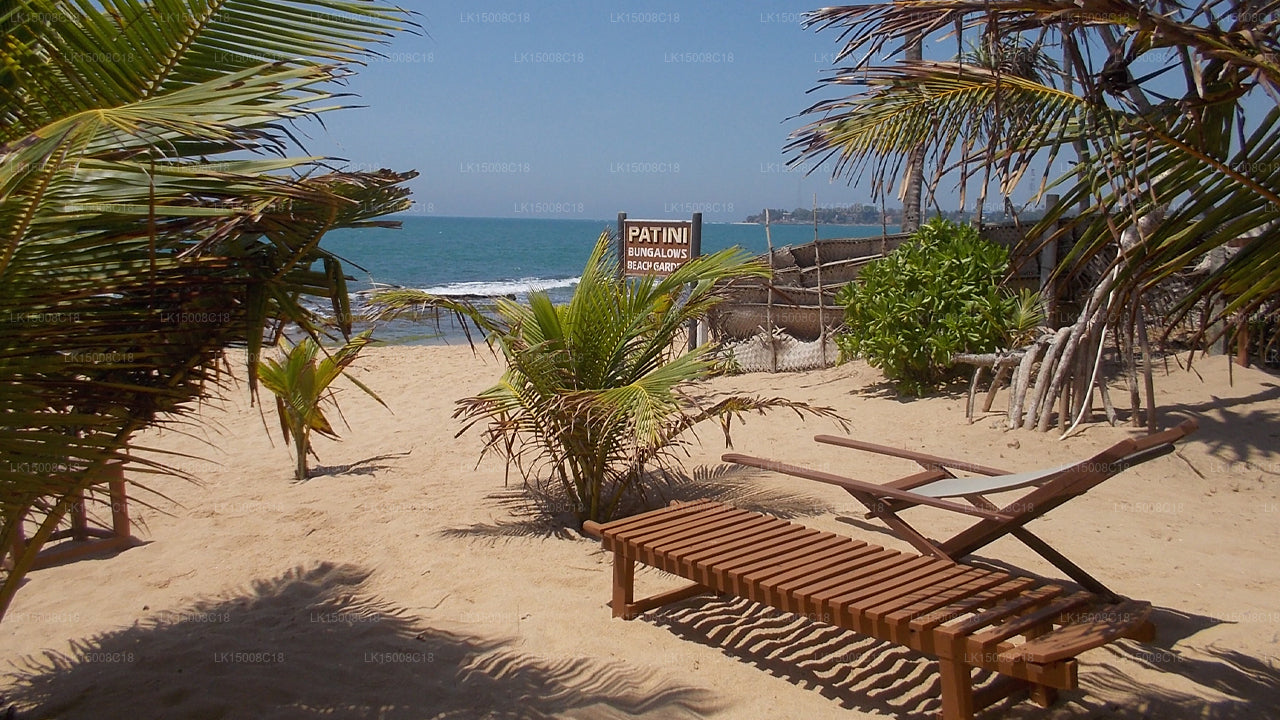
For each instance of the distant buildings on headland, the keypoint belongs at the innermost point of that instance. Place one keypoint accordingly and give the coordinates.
(859, 214)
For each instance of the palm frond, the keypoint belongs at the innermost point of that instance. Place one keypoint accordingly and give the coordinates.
(120, 51)
(137, 241)
(1198, 158)
(964, 114)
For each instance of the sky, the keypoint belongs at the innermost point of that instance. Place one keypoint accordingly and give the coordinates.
(586, 109)
(582, 110)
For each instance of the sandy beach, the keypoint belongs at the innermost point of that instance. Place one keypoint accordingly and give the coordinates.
(410, 585)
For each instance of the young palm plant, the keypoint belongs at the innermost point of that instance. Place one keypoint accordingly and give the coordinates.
(301, 386)
(598, 392)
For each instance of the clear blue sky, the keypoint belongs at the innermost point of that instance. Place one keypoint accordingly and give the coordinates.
(582, 110)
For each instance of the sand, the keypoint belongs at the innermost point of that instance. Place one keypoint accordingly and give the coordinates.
(405, 587)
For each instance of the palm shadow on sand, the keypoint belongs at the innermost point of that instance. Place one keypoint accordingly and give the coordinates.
(1232, 430)
(533, 515)
(367, 466)
(1204, 683)
(311, 644)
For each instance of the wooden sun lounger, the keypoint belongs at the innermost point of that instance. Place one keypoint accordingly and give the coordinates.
(939, 486)
(1026, 630)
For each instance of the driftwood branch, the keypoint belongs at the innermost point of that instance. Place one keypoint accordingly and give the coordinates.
(1018, 393)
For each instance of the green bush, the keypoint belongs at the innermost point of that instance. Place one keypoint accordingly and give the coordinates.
(935, 296)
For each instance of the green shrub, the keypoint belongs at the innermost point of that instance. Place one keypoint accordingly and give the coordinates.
(935, 296)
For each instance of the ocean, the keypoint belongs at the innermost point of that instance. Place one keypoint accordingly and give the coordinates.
(507, 256)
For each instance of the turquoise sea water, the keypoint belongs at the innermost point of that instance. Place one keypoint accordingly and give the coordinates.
(510, 256)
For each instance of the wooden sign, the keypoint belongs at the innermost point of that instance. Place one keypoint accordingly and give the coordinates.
(658, 247)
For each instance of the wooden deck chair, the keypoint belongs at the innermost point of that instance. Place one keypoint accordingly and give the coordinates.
(939, 482)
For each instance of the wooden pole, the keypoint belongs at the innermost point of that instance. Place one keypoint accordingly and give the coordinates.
(1242, 340)
(768, 306)
(1048, 264)
(817, 260)
(1018, 386)
(1041, 397)
(1153, 422)
(622, 245)
(119, 500)
(884, 230)
(1131, 368)
(1218, 328)
(1093, 379)
(695, 249)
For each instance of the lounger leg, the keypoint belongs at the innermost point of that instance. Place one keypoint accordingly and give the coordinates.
(1042, 695)
(957, 690)
(1075, 572)
(878, 508)
(624, 581)
(1031, 540)
(911, 535)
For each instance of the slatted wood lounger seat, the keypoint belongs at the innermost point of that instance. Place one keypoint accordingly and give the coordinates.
(963, 616)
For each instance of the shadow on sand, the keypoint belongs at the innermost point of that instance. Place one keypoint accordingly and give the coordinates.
(310, 644)
(1230, 435)
(1208, 683)
(869, 675)
(857, 672)
(367, 466)
(531, 514)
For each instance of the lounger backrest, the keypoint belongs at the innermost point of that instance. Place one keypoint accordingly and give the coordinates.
(1084, 476)
(1073, 482)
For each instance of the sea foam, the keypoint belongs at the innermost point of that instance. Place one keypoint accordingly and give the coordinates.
(497, 288)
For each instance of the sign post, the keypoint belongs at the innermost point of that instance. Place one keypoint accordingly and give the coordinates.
(659, 247)
(622, 245)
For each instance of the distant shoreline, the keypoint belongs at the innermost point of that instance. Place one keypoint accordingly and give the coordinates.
(820, 224)
(611, 221)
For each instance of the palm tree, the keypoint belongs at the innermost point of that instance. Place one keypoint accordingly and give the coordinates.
(301, 386)
(596, 394)
(150, 217)
(1163, 176)
(913, 181)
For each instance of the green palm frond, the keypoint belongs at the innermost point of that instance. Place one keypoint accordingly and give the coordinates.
(104, 54)
(874, 29)
(1012, 56)
(1215, 195)
(1197, 158)
(138, 239)
(948, 107)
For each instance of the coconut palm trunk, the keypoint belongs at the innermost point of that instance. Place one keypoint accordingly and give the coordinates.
(913, 179)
